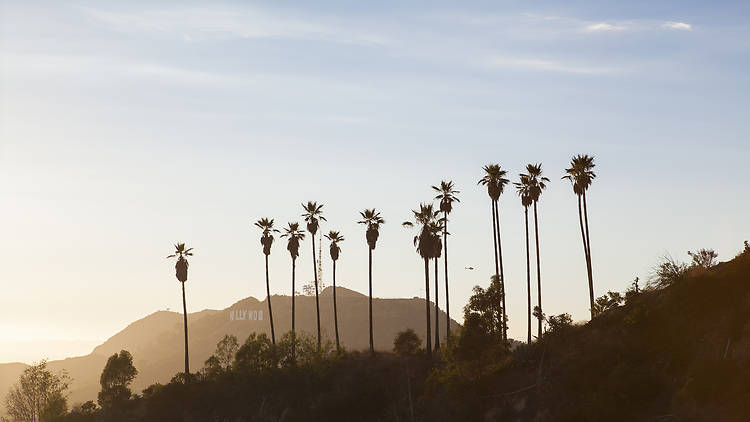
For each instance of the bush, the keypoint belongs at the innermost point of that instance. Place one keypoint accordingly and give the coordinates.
(406, 343)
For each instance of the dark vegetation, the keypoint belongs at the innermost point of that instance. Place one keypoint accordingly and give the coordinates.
(675, 350)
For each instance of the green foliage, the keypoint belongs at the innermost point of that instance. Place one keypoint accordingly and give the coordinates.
(39, 395)
(85, 412)
(704, 258)
(257, 354)
(115, 380)
(487, 306)
(406, 343)
(225, 351)
(609, 301)
(667, 272)
(559, 323)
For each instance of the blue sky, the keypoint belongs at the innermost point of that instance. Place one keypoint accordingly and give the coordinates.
(125, 127)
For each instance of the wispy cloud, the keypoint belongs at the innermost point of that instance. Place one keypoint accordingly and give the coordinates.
(603, 26)
(192, 24)
(548, 66)
(681, 26)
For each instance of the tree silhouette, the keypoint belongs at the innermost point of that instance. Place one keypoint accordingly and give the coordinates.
(294, 235)
(581, 175)
(523, 188)
(313, 215)
(115, 380)
(372, 221)
(266, 240)
(436, 228)
(537, 184)
(181, 272)
(447, 196)
(494, 179)
(335, 238)
(426, 218)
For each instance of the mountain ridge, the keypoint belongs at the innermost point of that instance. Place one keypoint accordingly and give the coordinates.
(156, 340)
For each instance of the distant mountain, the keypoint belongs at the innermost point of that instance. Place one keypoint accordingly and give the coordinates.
(156, 341)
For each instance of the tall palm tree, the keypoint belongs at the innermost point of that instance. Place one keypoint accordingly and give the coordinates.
(446, 196)
(266, 240)
(294, 235)
(372, 221)
(436, 228)
(523, 188)
(181, 272)
(424, 241)
(581, 175)
(494, 179)
(538, 183)
(335, 238)
(313, 215)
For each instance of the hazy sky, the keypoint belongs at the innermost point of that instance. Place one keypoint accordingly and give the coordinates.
(127, 126)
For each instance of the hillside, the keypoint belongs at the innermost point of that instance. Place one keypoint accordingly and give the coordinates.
(679, 352)
(156, 341)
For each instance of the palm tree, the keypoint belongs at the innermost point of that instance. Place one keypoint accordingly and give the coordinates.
(425, 244)
(335, 238)
(435, 229)
(372, 221)
(538, 183)
(523, 188)
(446, 196)
(581, 175)
(294, 236)
(181, 272)
(313, 214)
(266, 240)
(494, 179)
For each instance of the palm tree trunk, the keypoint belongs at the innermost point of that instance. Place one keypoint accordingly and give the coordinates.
(445, 259)
(538, 273)
(586, 256)
(372, 344)
(335, 311)
(437, 309)
(588, 242)
(315, 278)
(294, 335)
(184, 321)
(502, 275)
(428, 342)
(528, 274)
(494, 241)
(270, 312)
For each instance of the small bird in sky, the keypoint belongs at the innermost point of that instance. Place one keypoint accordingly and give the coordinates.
(468, 268)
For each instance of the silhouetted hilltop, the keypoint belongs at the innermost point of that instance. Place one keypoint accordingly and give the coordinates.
(681, 352)
(156, 341)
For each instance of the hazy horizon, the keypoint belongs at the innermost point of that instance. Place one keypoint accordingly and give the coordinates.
(125, 128)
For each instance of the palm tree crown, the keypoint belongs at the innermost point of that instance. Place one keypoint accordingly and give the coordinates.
(181, 266)
(267, 238)
(523, 189)
(446, 196)
(335, 238)
(430, 227)
(581, 173)
(494, 179)
(535, 179)
(372, 220)
(294, 234)
(313, 214)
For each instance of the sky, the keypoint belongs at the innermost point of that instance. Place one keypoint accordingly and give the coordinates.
(128, 126)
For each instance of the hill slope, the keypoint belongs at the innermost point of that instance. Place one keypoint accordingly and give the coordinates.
(156, 341)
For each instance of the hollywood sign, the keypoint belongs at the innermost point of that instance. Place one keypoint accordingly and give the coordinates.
(245, 315)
